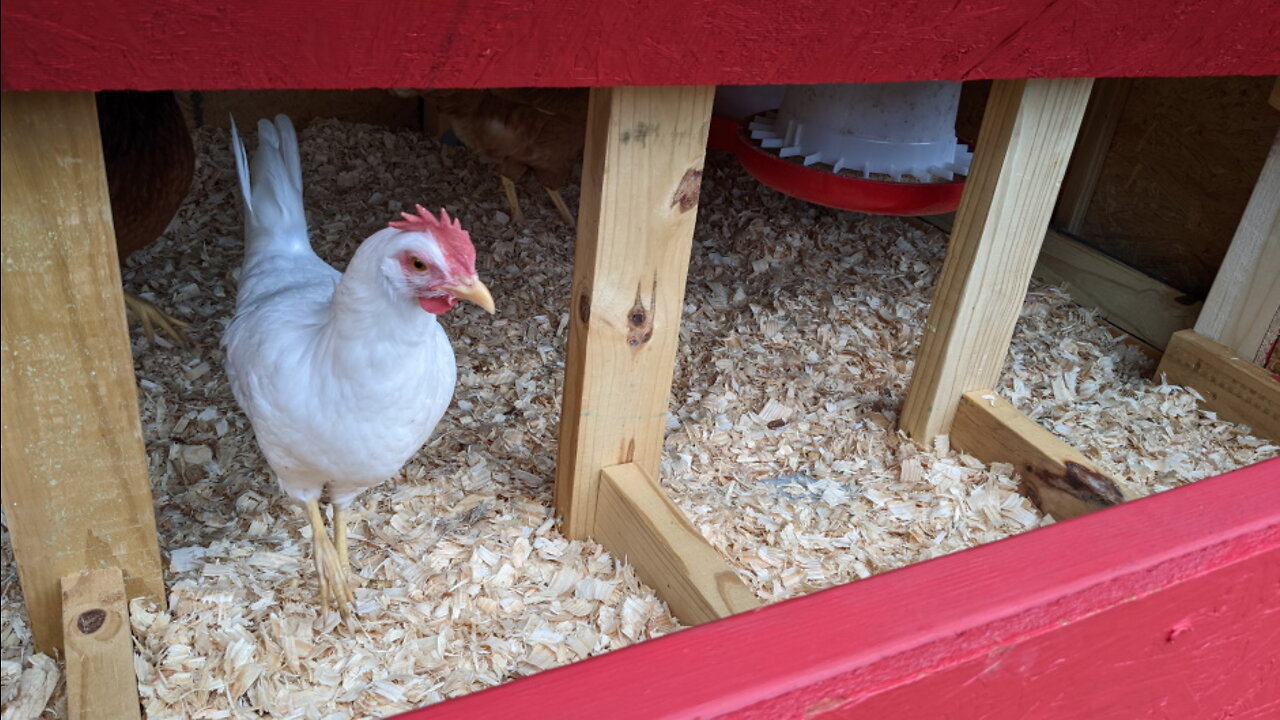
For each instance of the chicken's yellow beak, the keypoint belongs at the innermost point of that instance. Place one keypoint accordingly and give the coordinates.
(475, 291)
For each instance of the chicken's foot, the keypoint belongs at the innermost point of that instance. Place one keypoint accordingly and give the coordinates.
(150, 316)
(340, 538)
(561, 206)
(509, 187)
(333, 581)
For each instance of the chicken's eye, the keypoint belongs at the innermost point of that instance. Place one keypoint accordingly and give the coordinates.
(419, 265)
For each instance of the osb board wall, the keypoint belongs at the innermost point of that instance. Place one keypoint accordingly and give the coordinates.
(1179, 172)
(376, 107)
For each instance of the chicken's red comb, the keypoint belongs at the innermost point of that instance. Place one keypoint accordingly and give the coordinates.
(454, 241)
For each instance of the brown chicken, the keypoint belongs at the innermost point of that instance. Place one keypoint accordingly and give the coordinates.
(150, 162)
(519, 129)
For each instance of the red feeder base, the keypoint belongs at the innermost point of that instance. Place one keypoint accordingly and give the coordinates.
(875, 197)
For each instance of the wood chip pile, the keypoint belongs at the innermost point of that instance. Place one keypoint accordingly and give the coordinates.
(796, 350)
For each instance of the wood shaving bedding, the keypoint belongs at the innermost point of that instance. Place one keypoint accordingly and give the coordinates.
(796, 349)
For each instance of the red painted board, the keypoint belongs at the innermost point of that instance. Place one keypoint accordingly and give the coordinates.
(260, 44)
(1166, 607)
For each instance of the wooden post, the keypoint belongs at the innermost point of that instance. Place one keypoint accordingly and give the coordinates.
(1026, 138)
(1096, 132)
(1243, 307)
(76, 492)
(640, 182)
(99, 647)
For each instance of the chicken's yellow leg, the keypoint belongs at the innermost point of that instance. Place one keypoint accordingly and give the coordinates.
(333, 581)
(340, 538)
(150, 316)
(559, 203)
(509, 187)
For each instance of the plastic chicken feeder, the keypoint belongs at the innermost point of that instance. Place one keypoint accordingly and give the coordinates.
(822, 134)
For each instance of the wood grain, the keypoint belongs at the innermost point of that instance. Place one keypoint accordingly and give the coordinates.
(1231, 386)
(1138, 304)
(640, 182)
(636, 521)
(1058, 478)
(1096, 131)
(1026, 138)
(98, 647)
(167, 44)
(1243, 307)
(1164, 607)
(76, 492)
(1184, 159)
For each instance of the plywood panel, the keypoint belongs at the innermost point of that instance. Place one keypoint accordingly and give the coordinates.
(1180, 171)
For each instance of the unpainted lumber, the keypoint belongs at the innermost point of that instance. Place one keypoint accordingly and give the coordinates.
(75, 486)
(641, 178)
(1027, 135)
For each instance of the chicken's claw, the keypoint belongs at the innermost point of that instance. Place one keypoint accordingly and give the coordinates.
(329, 571)
(150, 316)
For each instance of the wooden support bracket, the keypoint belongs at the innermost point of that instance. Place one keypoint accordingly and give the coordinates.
(76, 492)
(1026, 137)
(635, 520)
(99, 647)
(1058, 479)
(1231, 386)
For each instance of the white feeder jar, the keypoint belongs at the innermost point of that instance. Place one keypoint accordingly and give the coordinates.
(892, 129)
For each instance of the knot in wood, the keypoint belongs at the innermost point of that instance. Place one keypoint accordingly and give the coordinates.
(584, 308)
(90, 621)
(640, 318)
(1088, 484)
(688, 191)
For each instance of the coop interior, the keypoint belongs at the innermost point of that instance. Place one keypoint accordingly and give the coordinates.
(799, 330)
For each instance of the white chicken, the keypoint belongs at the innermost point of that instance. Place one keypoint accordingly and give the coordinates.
(343, 375)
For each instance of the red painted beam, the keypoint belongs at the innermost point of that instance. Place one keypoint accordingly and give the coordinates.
(250, 44)
(1165, 607)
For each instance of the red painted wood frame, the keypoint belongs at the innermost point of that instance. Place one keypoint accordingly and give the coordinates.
(244, 44)
(1164, 607)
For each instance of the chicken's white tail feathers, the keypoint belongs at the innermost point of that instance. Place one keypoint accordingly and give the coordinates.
(242, 166)
(272, 189)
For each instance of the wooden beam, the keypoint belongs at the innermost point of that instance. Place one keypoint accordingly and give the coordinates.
(636, 521)
(98, 647)
(1234, 388)
(1135, 302)
(1059, 479)
(1131, 613)
(640, 182)
(76, 492)
(1026, 137)
(1243, 307)
(1131, 300)
(1096, 131)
